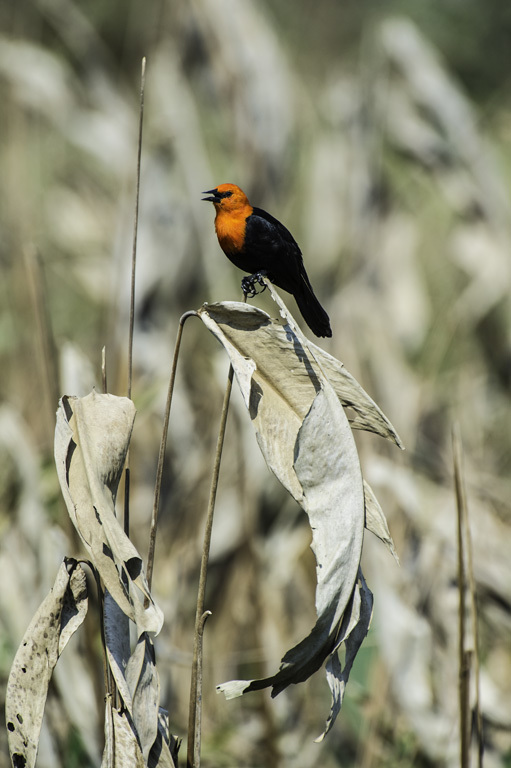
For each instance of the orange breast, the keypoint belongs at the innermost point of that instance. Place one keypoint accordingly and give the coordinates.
(230, 230)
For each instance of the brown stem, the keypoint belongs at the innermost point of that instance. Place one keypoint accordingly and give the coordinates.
(132, 294)
(163, 443)
(195, 710)
(135, 232)
(463, 653)
(104, 380)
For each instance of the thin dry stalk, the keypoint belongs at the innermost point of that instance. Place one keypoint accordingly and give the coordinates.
(111, 693)
(103, 371)
(473, 615)
(163, 443)
(45, 343)
(463, 653)
(135, 230)
(132, 293)
(195, 711)
(466, 562)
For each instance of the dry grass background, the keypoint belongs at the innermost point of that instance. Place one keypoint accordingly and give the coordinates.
(354, 131)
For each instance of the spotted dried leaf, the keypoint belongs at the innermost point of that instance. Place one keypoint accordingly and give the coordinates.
(91, 441)
(306, 440)
(58, 617)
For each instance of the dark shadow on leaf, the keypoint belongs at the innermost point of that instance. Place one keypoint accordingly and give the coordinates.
(133, 567)
(256, 394)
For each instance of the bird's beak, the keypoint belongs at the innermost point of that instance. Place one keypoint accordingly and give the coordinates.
(215, 197)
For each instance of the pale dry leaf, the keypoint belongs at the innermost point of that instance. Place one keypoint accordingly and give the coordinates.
(357, 620)
(350, 393)
(91, 440)
(307, 441)
(231, 314)
(164, 753)
(249, 334)
(58, 617)
(375, 520)
(121, 744)
(108, 750)
(118, 649)
(144, 684)
(137, 681)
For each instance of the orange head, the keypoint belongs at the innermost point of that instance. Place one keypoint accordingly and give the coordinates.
(227, 198)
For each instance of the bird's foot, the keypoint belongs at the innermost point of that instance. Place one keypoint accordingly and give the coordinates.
(249, 283)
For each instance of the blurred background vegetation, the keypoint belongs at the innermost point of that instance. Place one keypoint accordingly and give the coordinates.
(379, 133)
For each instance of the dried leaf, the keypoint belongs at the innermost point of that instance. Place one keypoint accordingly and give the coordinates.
(375, 520)
(357, 621)
(275, 337)
(368, 416)
(118, 650)
(143, 682)
(349, 391)
(58, 617)
(306, 440)
(121, 745)
(166, 747)
(137, 681)
(91, 440)
(164, 753)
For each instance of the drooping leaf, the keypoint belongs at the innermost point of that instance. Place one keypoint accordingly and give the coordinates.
(272, 341)
(307, 441)
(375, 520)
(58, 617)
(137, 681)
(164, 753)
(144, 684)
(117, 643)
(122, 749)
(91, 440)
(369, 416)
(121, 746)
(354, 629)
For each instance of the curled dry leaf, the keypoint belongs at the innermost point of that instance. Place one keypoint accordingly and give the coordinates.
(137, 681)
(144, 684)
(307, 441)
(58, 617)
(376, 521)
(350, 393)
(121, 749)
(354, 629)
(91, 441)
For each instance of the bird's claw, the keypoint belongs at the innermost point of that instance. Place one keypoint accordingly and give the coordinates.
(249, 283)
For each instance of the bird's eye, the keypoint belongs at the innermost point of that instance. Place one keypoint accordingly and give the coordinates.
(225, 194)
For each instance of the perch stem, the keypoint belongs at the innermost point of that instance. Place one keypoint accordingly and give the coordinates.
(163, 443)
(195, 711)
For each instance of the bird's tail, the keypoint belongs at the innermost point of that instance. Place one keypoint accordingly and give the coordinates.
(312, 311)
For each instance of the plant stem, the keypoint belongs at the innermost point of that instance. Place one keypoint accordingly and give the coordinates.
(468, 575)
(163, 443)
(135, 232)
(463, 653)
(195, 711)
(103, 371)
(44, 338)
(132, 294)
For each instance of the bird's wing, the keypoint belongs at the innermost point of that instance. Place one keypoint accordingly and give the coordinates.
(269, 243)
(271, 230)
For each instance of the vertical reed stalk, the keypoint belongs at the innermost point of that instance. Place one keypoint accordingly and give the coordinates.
(163, 443)
(466, 575)
(195, 711)
(132, 293)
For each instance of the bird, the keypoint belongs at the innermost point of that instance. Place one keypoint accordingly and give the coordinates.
(257, 243)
